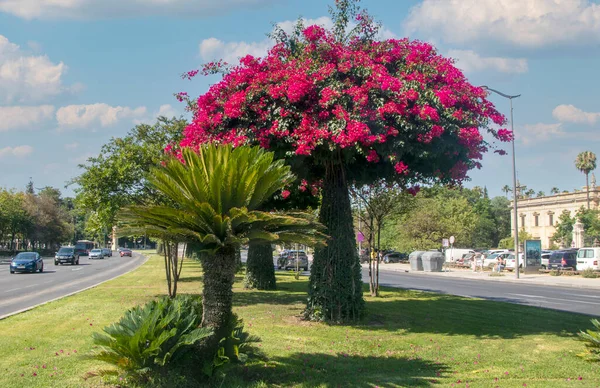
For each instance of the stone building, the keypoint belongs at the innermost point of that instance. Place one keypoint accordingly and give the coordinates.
(539, 216)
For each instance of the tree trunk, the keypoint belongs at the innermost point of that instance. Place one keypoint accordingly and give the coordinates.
(335, 290)
(587, 188)
(371, 263)
(217, 295)
(378, 254)
(260, 273)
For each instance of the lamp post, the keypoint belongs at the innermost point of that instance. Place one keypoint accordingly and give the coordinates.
(516, 221)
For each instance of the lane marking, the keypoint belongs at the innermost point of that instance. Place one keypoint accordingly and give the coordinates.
(20, 288)
(77, 269)
(529, 296)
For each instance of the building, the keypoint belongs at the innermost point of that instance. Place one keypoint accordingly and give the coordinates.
(539, 216)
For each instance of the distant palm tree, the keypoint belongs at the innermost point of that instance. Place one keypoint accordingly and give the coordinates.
(529, 193)
(506, 189)
(540, 194)
(586, 163)
(554, 190)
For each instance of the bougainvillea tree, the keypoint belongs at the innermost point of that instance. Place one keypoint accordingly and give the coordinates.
(341, 106)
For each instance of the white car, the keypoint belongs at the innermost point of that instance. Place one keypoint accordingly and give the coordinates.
(588, 258)
(96, 254)
(492, 260)
(510, 261)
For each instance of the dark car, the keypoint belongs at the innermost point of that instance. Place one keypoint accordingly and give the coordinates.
(287, 260)
(563, 259)
(125, 252)
(66, 255)
(394, 257)
(107, 252)
(27, 262)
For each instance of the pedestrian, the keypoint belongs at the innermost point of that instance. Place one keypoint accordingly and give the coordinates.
(475, 260)
(500, 264)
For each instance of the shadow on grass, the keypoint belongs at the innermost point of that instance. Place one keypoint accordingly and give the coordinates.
(406, 311)
(191, 279)
(343, 370)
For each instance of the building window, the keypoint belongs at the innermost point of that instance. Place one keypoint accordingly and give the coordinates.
(551, 219)
(522, 221)
(536, 218)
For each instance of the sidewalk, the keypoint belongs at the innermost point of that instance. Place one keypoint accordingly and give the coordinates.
(539, 279)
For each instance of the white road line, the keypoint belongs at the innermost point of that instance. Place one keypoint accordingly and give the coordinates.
(528, 296)
(20, 288)
(77, 269)
(584, 296)
(550, 298)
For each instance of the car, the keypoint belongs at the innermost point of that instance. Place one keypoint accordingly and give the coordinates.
(563, 259)
(546, 259)
(394, 257)
(511, 262)
(588, 258)
(287, 260)
(107, 252)
(96, 254)
(66, 255)
(491, 260)
(125, 252)
(27, 262)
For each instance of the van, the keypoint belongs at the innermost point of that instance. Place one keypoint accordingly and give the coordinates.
(588, 258)
(456, 253)
(563, 259)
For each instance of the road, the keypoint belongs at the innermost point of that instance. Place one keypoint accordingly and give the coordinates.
(23, 290)
(576, 300)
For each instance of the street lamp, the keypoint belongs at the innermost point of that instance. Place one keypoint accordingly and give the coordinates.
(514, 175)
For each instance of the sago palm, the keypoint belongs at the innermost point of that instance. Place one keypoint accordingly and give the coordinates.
(215, 193)
(586, 163)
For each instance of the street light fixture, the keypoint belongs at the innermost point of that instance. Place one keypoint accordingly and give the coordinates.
(516, 221)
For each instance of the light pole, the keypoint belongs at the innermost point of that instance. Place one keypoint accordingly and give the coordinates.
(516, 220)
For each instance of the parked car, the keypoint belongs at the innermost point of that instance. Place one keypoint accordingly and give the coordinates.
(287, 260)
(563, 259)
(588, 258)
(394, 257)
(546, 259)
(453, 254)
(27, 262)
(125, 252)
(96, 254)
(107, 252)
(511, 262)
(66, 255)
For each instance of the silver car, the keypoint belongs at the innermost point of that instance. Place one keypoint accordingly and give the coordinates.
(96, 254)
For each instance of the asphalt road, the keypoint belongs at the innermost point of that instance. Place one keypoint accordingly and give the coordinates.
(574, 300)
(21, 291)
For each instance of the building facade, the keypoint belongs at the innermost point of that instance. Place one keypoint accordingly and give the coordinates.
(539, 216)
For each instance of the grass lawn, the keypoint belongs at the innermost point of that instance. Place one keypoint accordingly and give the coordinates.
(408, 339)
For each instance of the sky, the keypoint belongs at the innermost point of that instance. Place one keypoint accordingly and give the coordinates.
(74, 73)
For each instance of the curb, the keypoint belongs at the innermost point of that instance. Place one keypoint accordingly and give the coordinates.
(507, 280)
(72, 293)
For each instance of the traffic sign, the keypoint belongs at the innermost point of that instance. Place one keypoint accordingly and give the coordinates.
(445, 242)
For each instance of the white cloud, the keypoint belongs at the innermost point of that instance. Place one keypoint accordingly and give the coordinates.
(71, 146)
(572, 114)
(86, 116)
(539, 132)
(213, 48)
(17, 152)
(469, 61)
(93, 9)
(529, 23)
(13, 117)
(25, 78)
(166, 110)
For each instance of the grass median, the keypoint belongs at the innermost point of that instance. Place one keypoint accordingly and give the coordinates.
(408, 339)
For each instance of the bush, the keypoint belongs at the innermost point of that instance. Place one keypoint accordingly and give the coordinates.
(555, 272)
(152, 336)
(589, 273)
(495, 274)
(592, 342)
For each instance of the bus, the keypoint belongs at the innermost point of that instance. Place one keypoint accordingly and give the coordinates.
(83, 247)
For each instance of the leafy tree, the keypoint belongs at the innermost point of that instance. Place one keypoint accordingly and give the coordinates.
(340, 106)
(564, 229)
(212, 201)
(14, 218)
(586, 163)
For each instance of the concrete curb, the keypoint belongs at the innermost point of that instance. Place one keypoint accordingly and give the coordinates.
(74, 292)
(496, 279)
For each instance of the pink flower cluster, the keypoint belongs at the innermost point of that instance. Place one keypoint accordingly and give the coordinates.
(378, 98)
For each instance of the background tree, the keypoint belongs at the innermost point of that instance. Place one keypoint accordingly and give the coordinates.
(506, 189)
(586, 163)
(509, 242)
(540, 194)
(563, 234)
(213, 197)
(554, 190)
(340, 106)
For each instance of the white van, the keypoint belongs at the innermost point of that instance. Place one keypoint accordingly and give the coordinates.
(456, 253)
(588, 258)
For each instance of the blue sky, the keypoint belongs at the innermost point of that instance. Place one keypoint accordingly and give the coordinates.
(74, 73)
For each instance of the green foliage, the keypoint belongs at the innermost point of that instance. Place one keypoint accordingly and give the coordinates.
(589, 273)
(509, 242)
(592, 342)
(555, 272)
(151, 336)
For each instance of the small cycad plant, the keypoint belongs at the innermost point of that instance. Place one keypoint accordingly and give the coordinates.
(151, 336)
(592, 342)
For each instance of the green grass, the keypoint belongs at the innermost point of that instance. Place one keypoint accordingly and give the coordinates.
(408, 339)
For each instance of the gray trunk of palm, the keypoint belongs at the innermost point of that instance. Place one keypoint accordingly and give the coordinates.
(587, 188)
(335, 290)
(260, 273)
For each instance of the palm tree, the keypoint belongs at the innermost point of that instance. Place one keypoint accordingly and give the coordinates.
(554, 190)
(540, 194)
(215, 194)
(506, 189)
(586, 163)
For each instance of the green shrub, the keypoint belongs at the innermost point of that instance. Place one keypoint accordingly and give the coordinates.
(555, 272)
(495, 274)
(149, 337)
(589, 273)
(592, 342)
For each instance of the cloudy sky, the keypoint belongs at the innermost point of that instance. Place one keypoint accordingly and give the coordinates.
(74, 73)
